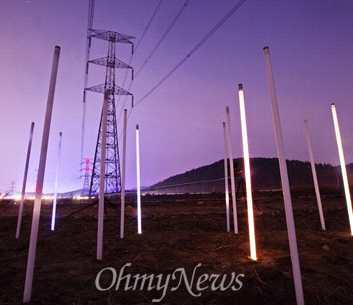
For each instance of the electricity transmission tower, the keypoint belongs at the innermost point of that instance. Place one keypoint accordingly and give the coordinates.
(109, 89)
(86, 176)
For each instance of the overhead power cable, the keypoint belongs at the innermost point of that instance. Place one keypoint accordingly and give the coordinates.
(158, 44)
(163, 37)
(144, 32)
(148, 25)
(192, 51)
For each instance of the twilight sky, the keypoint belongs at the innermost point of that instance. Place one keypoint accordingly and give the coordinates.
(311, 46)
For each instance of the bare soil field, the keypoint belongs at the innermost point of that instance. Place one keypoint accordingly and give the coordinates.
(181, 232)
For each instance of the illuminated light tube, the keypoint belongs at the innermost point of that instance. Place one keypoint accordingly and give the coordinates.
(17, 198)
(313, 171)
(27, 294)
(288, 208)
(48, 197)
(232, 178)
(138, 181)
(53, 215)
(343, 166)
(20, 210)
(100, 227)
(249, 198)
(79, 197)
(123, 173)
(226, 182)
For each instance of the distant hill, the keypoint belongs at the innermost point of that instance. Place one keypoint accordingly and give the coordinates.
(265, 176)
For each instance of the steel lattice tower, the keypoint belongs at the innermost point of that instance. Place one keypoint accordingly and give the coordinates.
(109, 90)
(86, 177)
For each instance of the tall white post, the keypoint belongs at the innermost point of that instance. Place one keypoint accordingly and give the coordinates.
(226, 182)
(313, 171)
(100, 228)
(91, 5)
(122, 192)
(293, 247)
(138, 181)
(20, 210)
(58, 161)
(40, 179)
(249, 198)
(232, 178)
(343, 166)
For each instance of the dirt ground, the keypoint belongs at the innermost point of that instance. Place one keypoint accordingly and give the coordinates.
(182, 231)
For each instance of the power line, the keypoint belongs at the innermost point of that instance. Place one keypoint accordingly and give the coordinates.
(144, 32)
(163, 37)
(193, 50)
(148, 25)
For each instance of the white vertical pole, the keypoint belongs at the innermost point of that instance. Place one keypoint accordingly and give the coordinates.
(122, 192)
(226, 182)
(100, 228)
(313, 171)
(58, 161)
(343, 166)
(91, 5)
(293, 247)
(20, 211)
(40, 179)
(138, 180)
(249, 198)
(232, 178)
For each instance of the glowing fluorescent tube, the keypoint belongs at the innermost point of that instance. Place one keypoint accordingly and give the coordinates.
(343, 166)
(249, 199)
(226, 182)
(138, 181)
(53, 215)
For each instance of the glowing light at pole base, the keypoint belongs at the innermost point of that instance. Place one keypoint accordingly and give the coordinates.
(53, 216)
(226, 182)
(138, 181)
(343, 166)
(249, 199)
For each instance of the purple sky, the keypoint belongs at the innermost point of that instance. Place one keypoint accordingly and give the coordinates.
(311, 45)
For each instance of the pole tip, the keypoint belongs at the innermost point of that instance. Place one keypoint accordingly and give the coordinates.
(240, 86)
(137, 127)
(57, 50)
(224, 124)
(333, 105)
(60, 133)
(227, 109)
(266, 49)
